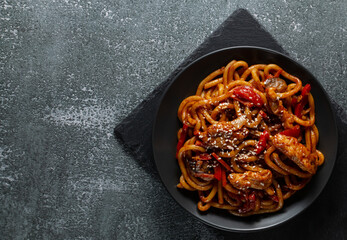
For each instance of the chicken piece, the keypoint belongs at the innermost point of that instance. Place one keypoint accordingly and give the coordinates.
(200, 168)
(296, 152)
(279, 84)
(222, 136)
(257, 180)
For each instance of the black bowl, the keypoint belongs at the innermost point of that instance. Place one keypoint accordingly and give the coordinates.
(164, 138)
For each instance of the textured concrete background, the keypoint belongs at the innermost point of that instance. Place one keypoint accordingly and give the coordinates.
(71, 70)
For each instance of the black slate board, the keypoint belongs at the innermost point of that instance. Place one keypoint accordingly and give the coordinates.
(135, 131)
(241, 29)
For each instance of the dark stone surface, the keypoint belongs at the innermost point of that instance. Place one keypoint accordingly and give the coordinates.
(72, 70)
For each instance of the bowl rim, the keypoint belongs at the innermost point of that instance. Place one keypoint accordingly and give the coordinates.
(335, 149)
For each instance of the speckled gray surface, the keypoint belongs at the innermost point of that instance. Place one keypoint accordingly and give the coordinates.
(71, 70)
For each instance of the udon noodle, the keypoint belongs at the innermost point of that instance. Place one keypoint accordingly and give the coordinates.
(248, 139)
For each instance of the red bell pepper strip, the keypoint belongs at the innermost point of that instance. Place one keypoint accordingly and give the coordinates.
(304, 93)
(221, 161)
(218, 172)
(294, 101)
(305, 90)
(247, 96)
(224, 177)
(300, 106)
(182, 138)
(292, 132)
(264, 137)
(298, 109)
(251, 197)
